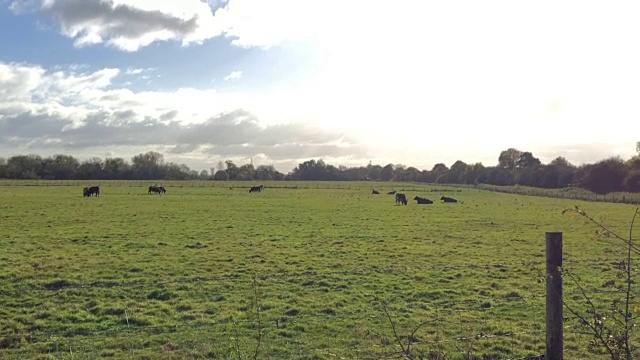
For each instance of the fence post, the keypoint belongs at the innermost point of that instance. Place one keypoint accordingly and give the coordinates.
(554, 296)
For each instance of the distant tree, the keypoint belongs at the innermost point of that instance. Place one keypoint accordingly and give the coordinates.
(558, 174)
(315, 170)
(204, 175)
(173, 171)
(232, 169)
(634, 163)
(332, 173)
(549, 177)
(47, 169)
(148, 166)
(424, 176)
(561, 162)
(308, 170)
(408, 174)
(398, 172)
(245, 172)
(90, 169)
(354, 173)
(268, 172)
(438, 173)
(499, 176)
(221, 175)
(374, 171)
(116, 168)
(508, 159)
(24, 166)
(632, 181)
(455, 174)
(65, 166)
(638, 147)
(472, 173)
(527, 160)
(387, 173)
(3, 168)
(605, 176)
(439, 168)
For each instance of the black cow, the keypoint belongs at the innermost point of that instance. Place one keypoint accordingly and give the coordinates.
(448, 199)
(156, 190)
(421, 200)
(256, 188)
(91, 191)
(401, 199)
(375, 192)
(391, 192)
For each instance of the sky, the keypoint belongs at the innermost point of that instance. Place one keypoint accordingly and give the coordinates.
(280, 82)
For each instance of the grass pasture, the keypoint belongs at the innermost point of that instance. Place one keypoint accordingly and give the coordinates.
(178, 276)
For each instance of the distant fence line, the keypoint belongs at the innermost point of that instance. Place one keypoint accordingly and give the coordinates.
(565, 193)
(234, 184)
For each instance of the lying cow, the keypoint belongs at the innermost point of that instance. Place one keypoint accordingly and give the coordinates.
(421, 200)
(375, 192)
(448, 199)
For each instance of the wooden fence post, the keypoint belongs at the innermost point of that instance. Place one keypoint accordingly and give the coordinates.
(554, 339)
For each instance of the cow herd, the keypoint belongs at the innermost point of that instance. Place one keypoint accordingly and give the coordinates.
(95, 190)
(90, 191)
(401, 199)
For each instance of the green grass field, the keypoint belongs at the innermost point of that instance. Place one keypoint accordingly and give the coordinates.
(131, 275)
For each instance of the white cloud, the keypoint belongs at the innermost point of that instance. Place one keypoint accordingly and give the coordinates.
(129, 25)
(424, 81)
(132, 71)
(234, 75)
(78, 112)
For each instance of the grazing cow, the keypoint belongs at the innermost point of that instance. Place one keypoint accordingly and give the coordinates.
(162, 189)
(448, 199)
(91, 191)
(155, 190)
(391, 192)
(375, 192)
(421, 200)
(401, 199)
(256, 188)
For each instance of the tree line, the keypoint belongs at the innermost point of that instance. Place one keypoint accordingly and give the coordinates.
(514, 167)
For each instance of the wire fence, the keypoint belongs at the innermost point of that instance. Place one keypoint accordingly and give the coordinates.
(236, 184)
(386, 328)
(566, 193)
